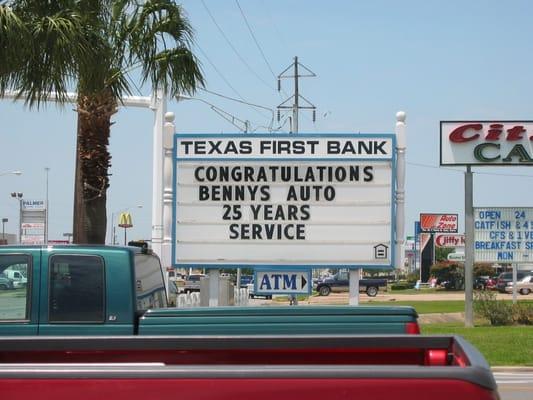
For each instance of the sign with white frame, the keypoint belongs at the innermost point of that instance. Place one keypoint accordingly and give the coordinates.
(284, 200)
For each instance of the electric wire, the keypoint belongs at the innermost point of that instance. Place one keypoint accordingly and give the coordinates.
(219, 73)
(255, 39)
(234, 49)
(237, 100)
(274, 26)
(474, 172)
(254, 106)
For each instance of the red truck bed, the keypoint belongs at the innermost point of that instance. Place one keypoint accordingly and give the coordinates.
(244, 367)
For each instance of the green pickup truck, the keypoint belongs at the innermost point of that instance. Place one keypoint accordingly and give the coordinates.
(108, 290)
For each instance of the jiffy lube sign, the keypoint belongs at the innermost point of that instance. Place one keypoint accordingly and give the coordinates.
(283, 200)
(486, 142)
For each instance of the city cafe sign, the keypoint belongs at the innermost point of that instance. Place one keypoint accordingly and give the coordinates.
(486, 142)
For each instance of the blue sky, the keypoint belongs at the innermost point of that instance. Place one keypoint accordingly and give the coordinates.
(435, 60)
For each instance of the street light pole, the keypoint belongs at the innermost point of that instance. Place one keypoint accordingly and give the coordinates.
(46, 169)
(4, 220)
(18, 196)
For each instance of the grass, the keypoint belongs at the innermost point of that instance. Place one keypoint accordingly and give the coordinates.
(425, 307)
(500, 345)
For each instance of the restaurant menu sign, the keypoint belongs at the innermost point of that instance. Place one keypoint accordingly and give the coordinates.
(503, 234)
(283, 200)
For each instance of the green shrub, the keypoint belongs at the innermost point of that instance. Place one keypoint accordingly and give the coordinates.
(401, 286)
(500, 312)
(497, 312)
(523, 313)
(413, 277)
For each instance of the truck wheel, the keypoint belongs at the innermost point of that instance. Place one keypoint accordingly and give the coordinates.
(324, 291)
(524, 291)
(372, 291)
(3, 287)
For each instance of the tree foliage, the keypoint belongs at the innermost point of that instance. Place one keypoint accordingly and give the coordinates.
(48, 47)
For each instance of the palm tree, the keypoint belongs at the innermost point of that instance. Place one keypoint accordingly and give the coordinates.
(100, 48)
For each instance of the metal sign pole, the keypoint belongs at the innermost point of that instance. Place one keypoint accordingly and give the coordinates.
(514, 282)
(469, 248)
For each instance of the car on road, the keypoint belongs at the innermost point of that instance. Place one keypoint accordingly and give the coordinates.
(523, 286)
(246, 280)
(5, 282)
(251, 292)
(483, 282)
(340, 283)
(506, 279)
(192, 283)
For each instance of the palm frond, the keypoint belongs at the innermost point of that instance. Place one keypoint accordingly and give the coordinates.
(159, 39)
(44, 54)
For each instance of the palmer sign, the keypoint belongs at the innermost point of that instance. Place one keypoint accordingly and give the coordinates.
(486, 143)
(266, 200)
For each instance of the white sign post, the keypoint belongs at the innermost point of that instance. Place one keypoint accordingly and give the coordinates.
(280, 200)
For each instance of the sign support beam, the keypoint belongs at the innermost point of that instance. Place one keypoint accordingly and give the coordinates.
(515, 266)
(214, 277)
(469, 248)
(353, 296)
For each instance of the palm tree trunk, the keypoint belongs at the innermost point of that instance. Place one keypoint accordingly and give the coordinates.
(92, 164)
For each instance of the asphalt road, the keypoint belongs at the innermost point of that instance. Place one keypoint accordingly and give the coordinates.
(514, 384)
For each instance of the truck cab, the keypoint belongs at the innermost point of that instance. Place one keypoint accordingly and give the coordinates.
(102, 290)
(75, 290)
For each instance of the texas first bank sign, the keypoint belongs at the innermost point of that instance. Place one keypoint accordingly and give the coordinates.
(284, 200)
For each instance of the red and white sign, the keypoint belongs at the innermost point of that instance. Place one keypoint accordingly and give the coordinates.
(444, 240)
(486, 143)
(32, 239)
(439, 223)
(32, 225)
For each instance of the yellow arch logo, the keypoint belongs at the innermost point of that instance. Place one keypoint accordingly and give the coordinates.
(124, 220)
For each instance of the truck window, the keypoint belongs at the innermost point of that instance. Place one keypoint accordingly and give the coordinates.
(77, 289)
(14, 288)
(150, 288)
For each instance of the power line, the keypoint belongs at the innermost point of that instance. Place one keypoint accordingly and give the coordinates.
(255, 39)
(237, 100)
(246, 103)
(219, 73)
(234, 49)
(274, 26)
(225, 80)
(461, 171)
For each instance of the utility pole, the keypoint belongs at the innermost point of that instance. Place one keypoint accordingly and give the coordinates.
(295, 106)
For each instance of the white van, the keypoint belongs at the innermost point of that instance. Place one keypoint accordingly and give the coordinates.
(18, 277)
